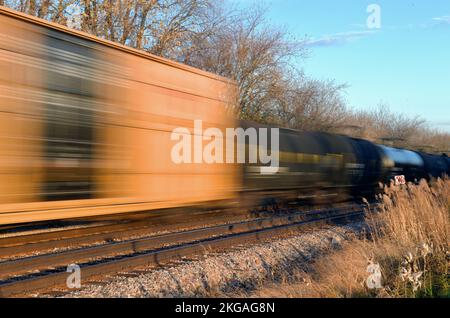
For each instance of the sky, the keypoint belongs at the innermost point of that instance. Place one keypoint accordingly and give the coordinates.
(405, 63)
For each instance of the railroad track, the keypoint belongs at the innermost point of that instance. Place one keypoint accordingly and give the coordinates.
(47, 271)
(11, 246)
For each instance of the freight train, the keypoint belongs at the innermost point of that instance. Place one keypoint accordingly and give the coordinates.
(86, 126)
(314, 164)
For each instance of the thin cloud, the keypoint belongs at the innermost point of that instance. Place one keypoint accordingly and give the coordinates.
(442, 20)
(338, 38)
(437, 21)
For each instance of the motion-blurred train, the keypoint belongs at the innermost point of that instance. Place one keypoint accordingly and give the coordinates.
(85, 130)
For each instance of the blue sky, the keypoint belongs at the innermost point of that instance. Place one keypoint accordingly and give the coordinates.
(405, 63)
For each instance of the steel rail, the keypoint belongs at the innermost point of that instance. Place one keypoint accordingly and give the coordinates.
(28, 243)
(118, 223)
(19, 245)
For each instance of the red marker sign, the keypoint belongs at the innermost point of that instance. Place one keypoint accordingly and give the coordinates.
(400, 180)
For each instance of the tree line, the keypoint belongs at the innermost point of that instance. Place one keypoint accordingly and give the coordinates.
(262, 58)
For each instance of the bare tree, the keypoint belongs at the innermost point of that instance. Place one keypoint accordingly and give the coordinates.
(247, 50)
(307, 104)
(32, 7)
(58, 12)
(43, 9)
(142, 23)
(88, 21)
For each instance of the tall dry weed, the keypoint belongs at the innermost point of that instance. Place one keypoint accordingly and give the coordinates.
(407, 245)
(415, 215)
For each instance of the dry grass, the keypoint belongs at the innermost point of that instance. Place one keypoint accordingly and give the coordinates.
(408, 242)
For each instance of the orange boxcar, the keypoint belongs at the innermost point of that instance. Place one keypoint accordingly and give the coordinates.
(85, 126)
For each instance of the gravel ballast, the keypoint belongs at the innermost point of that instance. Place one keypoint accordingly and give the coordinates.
(241, 269)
